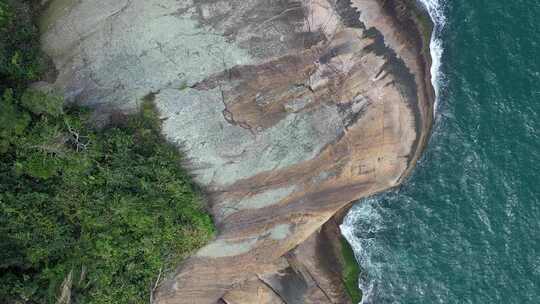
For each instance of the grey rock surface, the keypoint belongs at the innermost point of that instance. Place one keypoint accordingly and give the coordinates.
(287, 110)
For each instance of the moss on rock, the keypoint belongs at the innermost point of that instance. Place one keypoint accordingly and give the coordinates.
(351, 272)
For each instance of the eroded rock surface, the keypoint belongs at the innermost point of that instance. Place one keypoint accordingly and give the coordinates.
(288, 110)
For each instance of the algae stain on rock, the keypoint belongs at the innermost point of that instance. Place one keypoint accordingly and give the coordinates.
(227, 153)
(115, 52)
(227, 248)
(224, 248)
(280, 232)
(260, 200)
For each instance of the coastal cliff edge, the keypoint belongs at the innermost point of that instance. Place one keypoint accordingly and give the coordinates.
(288, 111)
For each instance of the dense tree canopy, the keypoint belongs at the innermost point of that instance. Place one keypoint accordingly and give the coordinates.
(86, 216)
(20, 59)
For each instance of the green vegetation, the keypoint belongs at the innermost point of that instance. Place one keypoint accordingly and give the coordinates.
(20, 58)
(426, 26)
(421, 17)
(108, 209)
(86, 216)
(351, 272)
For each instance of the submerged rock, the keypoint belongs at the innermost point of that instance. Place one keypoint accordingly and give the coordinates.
(287, 110)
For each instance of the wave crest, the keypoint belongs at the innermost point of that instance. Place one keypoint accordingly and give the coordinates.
(364, 217)
(435, 9)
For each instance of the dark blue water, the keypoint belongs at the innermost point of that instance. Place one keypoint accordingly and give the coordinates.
(465, 228)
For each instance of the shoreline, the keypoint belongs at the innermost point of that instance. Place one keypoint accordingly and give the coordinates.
(283, 131)
(420, 36)
(423, 37)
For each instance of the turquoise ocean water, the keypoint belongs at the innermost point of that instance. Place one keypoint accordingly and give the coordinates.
(465, 227)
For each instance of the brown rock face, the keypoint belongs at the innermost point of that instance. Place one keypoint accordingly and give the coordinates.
(288, 110)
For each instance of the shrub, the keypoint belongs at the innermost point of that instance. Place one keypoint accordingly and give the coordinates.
(85, 216)
(20, 57)
(109, 209)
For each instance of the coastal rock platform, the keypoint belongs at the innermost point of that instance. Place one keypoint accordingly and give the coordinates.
(287, 111)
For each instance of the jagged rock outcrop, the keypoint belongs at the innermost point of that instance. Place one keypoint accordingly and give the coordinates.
(288, 110)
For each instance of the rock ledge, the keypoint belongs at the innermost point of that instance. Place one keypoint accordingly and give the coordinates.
(288, 111)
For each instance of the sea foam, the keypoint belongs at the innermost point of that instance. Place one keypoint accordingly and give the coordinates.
(435, 9)
(364, 217)
(365, 212)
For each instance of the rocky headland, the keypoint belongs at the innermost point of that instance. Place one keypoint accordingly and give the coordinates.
(288, 111)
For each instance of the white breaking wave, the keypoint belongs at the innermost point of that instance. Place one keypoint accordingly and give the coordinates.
(368, 220)
(435, 9)
(365, 212)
